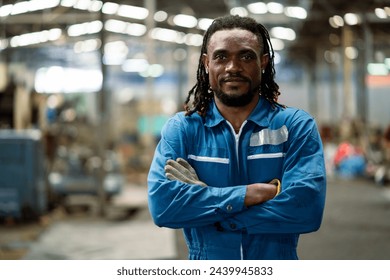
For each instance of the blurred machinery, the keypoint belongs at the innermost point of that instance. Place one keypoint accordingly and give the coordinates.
(23, 192)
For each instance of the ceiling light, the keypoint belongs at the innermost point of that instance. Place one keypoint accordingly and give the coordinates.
(132, 12)
(204, 23)
(380, 13)
(277, 44)
(193, 39)
(185, 21)
(135, 65)
(283, 33)
(20, 8)
(258, 8)
(336, 21)
(68, 3)
(351, 52)
(352, 19)
(110, 8)
(160, 16)
(164, 34)
(36, 37)
(87, 46)
(378, 69)
(239, 11)
(114, 25)
(85, 28)
(275, 8)
(296, 12)
(6, 10)
(136, 29)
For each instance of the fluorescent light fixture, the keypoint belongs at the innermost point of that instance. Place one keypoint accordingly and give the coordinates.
(336, 21)
(351, 52)
(82, 5)
(122, 27)
(204, 23)
(387, 63)
(6, 10)
(258, 8)
(164, 34)
(377, 69)
(380, 13)
(193, 39)
(91, 27)
(135, 65)
(95, 6)
(87, 46)
(56, 79)
(185, 21)
(275, 8)
(277, 44)
(283, 33)
(116, 48)
(136, 29)
(3, 44)
(110, 8)
(160, 16)
(68, 3)
(23, 7)
(239, 11)
(352, 19)
(36, 37)
(132, 12)
(117, 26)
(154, 71)
(295, 12)
(20, 8)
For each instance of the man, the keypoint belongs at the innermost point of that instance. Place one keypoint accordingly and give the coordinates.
(241, 174)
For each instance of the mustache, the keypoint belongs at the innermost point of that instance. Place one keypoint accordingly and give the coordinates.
(234, 78)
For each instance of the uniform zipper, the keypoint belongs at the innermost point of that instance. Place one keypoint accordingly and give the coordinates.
(237, 143)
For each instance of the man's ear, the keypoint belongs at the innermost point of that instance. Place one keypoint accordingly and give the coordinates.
(205, 61)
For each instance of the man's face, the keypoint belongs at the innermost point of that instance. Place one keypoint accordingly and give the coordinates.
(234, 62)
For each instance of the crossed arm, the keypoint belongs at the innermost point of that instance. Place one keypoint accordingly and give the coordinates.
(258, 193)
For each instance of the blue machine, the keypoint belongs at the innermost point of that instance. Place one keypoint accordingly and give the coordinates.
(23, 192)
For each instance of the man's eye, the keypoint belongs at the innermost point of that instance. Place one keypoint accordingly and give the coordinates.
(247, 57)
(220, 56)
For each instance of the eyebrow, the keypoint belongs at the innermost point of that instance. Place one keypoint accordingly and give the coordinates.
(243, 51)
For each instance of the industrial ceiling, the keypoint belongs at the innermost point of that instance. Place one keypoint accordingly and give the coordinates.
(312, 32)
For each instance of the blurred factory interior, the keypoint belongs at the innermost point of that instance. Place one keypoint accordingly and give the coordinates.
(86, 86)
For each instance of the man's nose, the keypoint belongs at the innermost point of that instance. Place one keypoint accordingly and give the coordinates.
(233, 66)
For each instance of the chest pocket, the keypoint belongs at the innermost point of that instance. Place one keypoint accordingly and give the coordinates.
(211, 164)
(266, 154)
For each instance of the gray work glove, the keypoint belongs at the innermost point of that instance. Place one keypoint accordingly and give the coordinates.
(181, 170)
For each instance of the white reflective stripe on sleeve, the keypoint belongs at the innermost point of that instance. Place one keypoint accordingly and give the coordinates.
(272, 155)
(209, 159)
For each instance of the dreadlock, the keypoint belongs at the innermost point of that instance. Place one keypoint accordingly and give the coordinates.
(201, 93)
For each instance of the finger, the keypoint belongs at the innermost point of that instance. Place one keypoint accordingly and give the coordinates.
(179, 177)
(177, 174)
(188, 166)
(183, 168)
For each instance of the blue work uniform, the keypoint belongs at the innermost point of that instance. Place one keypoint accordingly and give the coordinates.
(274, 142)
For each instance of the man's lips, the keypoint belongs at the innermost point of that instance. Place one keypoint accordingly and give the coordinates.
(235, 80)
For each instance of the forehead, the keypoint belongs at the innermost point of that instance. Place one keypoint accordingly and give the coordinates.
(233, 38)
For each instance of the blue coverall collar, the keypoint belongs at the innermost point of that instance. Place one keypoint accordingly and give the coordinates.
(259, 115)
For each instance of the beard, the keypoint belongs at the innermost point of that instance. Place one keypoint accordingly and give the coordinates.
(235, 100)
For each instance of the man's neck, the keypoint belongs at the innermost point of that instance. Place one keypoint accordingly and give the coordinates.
(236, 115)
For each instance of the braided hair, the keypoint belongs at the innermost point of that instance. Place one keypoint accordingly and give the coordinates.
(201, 92)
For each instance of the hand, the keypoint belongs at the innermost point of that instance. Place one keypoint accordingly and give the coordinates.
(261, 192)
(181, 170)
